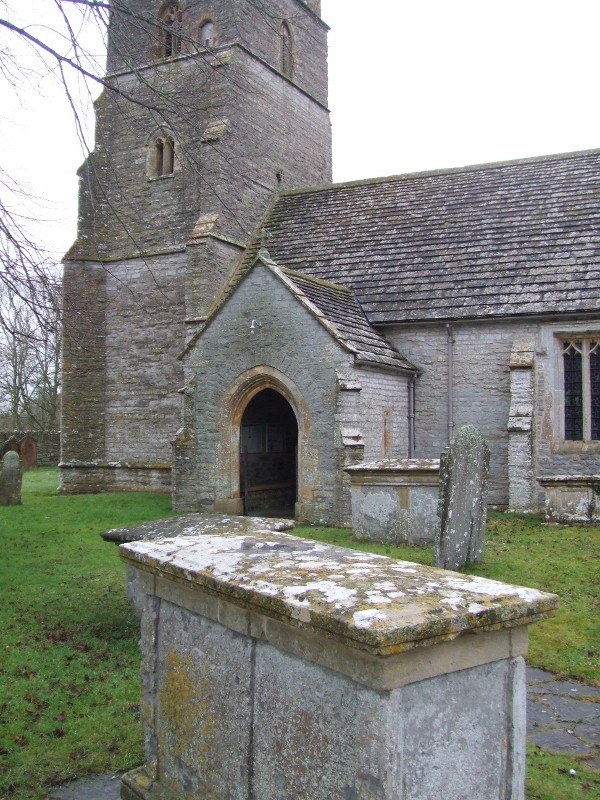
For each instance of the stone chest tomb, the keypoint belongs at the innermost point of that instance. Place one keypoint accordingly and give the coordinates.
(277, 667)
(395, 500)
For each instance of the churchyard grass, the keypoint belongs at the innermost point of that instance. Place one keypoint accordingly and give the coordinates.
(69, 663)
(69, 659)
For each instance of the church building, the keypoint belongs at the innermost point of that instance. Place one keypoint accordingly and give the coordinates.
(238, 330)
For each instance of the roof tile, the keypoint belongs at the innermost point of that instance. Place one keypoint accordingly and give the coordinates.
(514, 238)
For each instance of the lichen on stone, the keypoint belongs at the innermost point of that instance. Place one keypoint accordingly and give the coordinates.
(368, 601)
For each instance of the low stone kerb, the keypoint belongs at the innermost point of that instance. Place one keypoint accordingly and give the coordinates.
(369, 602)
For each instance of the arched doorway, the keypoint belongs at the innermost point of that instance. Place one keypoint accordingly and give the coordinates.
(268, 456)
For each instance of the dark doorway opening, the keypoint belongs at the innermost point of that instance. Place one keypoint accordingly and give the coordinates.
(268, 456)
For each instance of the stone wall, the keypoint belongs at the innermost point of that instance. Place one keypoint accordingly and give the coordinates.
(384, 414)
(120, 401)
(480, 388)
(247, 22)
(47, 445)
(144, 337)
(283, 346)
(483, 361)
(267, 125)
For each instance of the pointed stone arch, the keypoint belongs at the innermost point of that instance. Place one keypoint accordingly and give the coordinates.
(286, 49)
(170, 20)
(236, 400)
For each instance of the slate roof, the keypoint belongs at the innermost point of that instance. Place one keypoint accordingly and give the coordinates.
(516, 238)
(339, 310)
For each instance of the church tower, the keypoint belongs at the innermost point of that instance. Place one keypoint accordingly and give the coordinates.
(211, 106)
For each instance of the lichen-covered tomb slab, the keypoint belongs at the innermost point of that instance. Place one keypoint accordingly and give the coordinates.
(369, 602)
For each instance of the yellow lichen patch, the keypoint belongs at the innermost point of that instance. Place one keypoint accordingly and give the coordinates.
(185, 712)
(371, 602)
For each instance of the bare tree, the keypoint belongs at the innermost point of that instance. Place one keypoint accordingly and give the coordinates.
(30, 359)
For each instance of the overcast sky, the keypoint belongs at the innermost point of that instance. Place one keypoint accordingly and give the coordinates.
(414, 85)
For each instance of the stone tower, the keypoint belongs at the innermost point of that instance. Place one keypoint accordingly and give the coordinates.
(211, 106)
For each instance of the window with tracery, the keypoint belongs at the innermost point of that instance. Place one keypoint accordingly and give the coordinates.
(581, 388)
(164, 156)
(171, 20)
(207, 34)
(287, 54)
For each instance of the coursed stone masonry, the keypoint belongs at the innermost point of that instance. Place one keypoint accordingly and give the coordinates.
(229, 362)
(274, 666)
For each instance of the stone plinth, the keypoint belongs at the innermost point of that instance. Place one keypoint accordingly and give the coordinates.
(572, 498)
(276, 667)
(395, 501)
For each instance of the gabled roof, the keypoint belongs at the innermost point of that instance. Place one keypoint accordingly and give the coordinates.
(339, 310)
(516, 238)
(335, 307)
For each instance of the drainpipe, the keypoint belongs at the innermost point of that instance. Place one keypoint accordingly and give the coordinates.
(411, 415)
(450, 381)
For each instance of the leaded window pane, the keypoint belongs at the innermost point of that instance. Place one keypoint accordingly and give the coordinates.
(573, 372)
(595, 389)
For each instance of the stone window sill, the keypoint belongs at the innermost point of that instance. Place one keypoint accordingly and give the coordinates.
(576, 447)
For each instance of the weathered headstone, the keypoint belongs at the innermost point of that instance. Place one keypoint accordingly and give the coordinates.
(28, 451)
(10, 480)
(462, 505)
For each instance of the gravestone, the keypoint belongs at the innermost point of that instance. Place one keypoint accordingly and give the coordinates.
(28, 451)
(10, 480)
(462, 504)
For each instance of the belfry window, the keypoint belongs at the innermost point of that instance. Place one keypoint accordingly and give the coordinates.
(581, 388)
(164, 156)
(171, 19)
(287, 53)
(207, 34)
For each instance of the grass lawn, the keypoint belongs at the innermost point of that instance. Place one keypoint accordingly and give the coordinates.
(69, 662)
(69, 684)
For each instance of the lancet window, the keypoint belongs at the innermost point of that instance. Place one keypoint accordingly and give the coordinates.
(581, 388)
(207, 34)
(171, 21)
(287, 52)
(164, 156)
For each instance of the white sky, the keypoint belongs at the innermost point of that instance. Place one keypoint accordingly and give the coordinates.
(414, 85)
